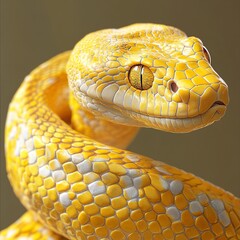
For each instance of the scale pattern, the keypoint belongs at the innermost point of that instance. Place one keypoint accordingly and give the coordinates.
(82, 189)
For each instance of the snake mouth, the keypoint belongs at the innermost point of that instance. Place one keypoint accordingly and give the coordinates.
(218, 103)
(184, 125)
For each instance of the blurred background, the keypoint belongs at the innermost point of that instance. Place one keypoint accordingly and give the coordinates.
(33, 31)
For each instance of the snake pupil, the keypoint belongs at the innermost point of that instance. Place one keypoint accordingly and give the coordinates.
(141, 74)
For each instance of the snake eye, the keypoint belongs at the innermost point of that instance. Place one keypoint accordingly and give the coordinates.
(207, 54)
(140, 77)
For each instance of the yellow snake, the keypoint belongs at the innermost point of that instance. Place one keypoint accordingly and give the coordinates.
(65, 161)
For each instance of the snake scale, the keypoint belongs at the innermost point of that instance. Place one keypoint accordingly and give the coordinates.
(65, 145)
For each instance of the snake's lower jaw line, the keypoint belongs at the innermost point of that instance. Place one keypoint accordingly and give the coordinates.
(215, 113)
(184, 125)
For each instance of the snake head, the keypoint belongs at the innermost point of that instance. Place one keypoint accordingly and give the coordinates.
(147, 75)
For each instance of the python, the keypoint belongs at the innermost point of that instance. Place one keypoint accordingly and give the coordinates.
(73, 116)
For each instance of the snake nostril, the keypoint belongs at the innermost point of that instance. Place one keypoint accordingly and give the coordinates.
(173, 86)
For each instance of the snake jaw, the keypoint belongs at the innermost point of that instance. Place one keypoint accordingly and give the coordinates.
(116, 114)
(182, 125)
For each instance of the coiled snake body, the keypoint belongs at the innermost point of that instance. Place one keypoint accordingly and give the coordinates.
(143, 75)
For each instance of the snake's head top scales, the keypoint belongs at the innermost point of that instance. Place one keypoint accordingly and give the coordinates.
(149, 76)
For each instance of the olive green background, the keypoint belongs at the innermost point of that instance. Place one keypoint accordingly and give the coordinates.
(33, 31)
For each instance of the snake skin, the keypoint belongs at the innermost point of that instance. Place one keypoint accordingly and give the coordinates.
(64, 160)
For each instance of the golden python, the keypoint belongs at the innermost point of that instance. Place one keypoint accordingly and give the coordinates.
(73, 116)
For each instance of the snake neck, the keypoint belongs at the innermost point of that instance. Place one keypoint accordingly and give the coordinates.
(104, 131)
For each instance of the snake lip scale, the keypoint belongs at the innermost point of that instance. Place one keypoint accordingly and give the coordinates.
(190, 123)
(183, 124)
(216, 106)
(73, 116)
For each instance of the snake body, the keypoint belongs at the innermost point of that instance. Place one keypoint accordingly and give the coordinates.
(64, 160)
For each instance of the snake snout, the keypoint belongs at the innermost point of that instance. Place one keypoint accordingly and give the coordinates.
(217, 104)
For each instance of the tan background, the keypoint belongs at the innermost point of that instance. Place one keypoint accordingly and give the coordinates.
(33, 31)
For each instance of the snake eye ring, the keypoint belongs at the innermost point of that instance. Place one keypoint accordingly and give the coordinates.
(140, 77)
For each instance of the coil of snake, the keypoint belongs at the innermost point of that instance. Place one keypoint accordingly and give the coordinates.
(64, 145)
